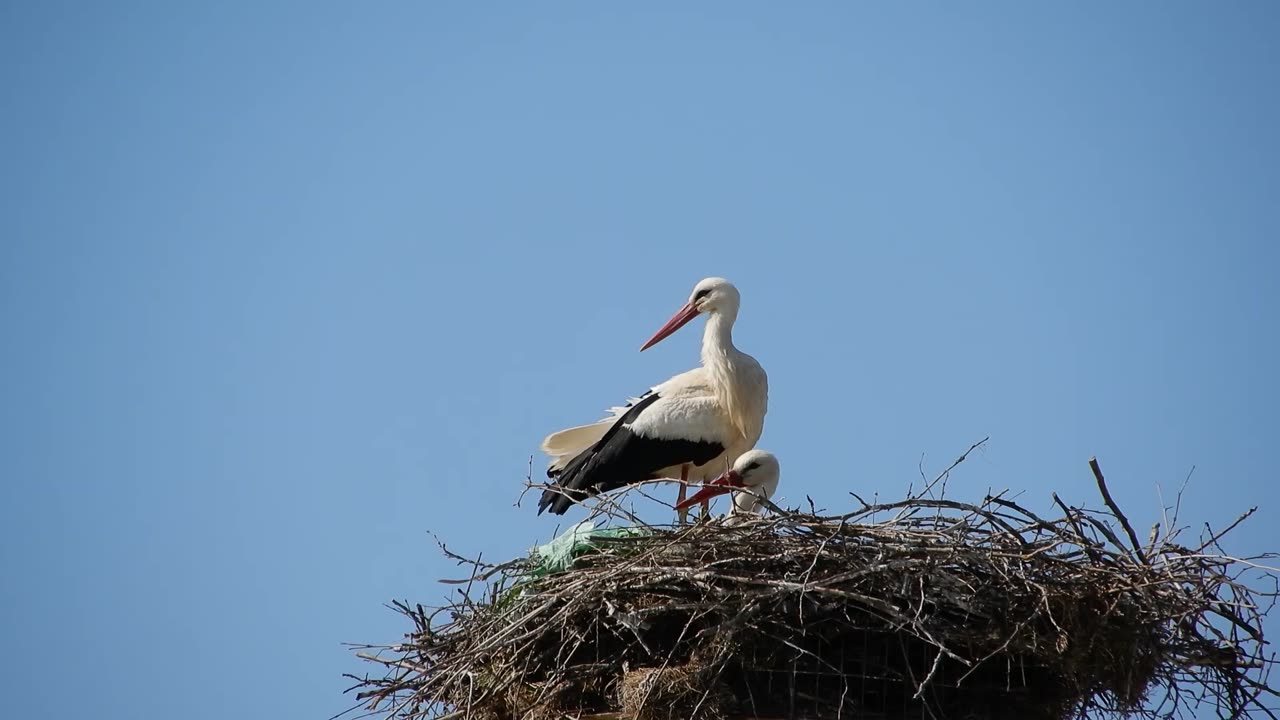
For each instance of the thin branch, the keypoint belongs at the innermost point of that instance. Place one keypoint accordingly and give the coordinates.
(1115, 510)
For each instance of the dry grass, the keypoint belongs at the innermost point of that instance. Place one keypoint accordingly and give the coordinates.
(924, 608)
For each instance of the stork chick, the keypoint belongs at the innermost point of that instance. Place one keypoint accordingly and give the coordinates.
(753, 482)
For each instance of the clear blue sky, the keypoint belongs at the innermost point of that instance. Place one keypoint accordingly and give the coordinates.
(287, 285)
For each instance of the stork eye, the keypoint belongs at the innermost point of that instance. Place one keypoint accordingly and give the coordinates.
(753, 466)
(701, 294)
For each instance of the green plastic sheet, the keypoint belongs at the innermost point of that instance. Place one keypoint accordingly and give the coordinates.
(560, 553)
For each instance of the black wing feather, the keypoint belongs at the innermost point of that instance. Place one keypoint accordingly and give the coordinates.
(621, 458)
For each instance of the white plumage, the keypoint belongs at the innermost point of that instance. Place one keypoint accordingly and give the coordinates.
(695, 424)
(753, 482)
(760, 473)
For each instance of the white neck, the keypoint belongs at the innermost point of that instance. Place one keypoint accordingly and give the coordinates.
(745, 503)
(731, 374)
(751, 500)
(717, 339)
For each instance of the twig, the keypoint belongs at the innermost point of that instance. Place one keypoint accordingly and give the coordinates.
(1213, 538)
(1115, 510)
(942, 475)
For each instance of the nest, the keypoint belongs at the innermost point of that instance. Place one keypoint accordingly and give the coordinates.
(924, 608)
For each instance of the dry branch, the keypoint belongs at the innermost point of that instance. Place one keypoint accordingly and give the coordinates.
(946, 610)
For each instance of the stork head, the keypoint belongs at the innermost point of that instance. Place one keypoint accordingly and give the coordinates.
(712, 295)
(754, 476)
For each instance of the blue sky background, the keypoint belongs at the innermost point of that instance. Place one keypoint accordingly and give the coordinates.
(284, 286)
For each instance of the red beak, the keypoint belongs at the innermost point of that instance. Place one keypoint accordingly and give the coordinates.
(725, 483)
(677, 321)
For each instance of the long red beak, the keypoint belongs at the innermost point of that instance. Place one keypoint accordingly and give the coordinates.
(725, 483)
(677, 321)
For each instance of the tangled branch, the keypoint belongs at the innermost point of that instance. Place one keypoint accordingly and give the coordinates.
(946, 609)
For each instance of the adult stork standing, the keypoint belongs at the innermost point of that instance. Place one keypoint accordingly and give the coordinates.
(692, 426)
(753, 482)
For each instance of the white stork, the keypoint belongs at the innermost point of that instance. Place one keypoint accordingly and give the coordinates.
(753, 482)
(692, 426)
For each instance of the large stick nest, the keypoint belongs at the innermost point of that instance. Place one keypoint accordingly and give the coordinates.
(924, 608)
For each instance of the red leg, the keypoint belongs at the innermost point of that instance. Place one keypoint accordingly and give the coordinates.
(684, 489)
